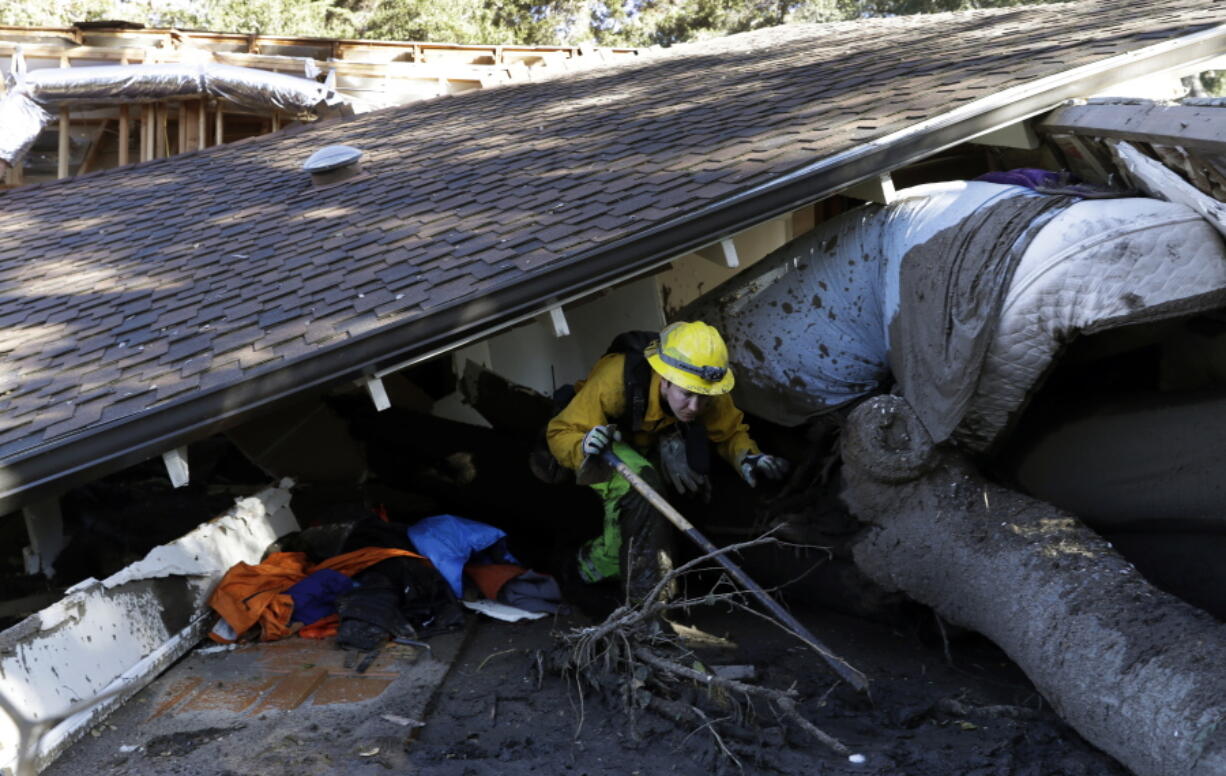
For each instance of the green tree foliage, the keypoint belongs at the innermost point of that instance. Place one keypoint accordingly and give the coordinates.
(525, 22)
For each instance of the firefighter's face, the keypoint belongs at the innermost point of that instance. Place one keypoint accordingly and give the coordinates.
(685, 405)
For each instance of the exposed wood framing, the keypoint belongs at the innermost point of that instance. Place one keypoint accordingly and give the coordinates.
(63, 148)
(378, 72)
(162, 130)
(722, 253)
(1080, 156)
(125, 134)
(95, 146)
(219, 125)
(1195, 128)
(146, 132)
(189, 125)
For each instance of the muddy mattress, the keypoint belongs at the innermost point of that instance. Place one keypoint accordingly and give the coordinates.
(839, 313)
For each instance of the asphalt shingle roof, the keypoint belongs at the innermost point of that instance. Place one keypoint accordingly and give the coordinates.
(127, 292)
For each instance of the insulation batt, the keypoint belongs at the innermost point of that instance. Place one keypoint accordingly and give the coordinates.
(23, 110)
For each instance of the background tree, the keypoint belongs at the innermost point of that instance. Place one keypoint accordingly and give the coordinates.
(526, 22)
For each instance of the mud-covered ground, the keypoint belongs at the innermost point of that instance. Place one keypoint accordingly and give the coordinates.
(964, 711)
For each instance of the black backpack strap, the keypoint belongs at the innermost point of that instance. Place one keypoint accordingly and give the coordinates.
(636, 374)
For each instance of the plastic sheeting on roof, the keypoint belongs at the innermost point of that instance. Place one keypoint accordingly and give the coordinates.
(24, 110)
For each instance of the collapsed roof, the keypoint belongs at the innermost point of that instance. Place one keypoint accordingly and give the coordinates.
(149, 305)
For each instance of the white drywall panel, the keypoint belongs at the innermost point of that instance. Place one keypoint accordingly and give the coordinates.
(114, 632)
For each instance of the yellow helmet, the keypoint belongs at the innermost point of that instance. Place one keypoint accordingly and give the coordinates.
(693, 356)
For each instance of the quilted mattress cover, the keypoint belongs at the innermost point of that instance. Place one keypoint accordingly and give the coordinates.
(808, 326)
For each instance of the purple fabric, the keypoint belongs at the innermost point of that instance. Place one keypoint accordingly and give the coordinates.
(315, 597)
(1030, 177)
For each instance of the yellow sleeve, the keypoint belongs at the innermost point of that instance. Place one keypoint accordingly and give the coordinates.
(600, 399)
(726, 428)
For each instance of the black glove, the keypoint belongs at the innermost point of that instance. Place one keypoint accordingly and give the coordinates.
(675, 463)
(755, 465)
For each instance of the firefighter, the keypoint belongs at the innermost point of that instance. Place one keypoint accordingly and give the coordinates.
(655, 401)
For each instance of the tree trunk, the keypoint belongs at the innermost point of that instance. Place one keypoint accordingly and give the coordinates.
(1138, 672)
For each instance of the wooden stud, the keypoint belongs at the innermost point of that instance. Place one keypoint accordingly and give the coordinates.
(62, 167)
(190, 112)
(183, 121)
(125, 134)
(276, 121)
(202, 124)
(162, 141)
(219, 125)
(146, 132)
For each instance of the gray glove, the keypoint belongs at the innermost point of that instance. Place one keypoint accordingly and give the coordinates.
(676, 466)
(755, 465)
(600, 438)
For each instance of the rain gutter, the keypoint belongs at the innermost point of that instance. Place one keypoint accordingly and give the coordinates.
(53, 466)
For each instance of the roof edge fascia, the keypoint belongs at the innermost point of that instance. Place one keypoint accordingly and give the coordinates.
(41, 471)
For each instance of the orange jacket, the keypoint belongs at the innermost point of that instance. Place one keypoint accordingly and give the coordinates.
(255, 595)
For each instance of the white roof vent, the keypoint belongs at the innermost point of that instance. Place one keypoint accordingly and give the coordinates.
(334, 164)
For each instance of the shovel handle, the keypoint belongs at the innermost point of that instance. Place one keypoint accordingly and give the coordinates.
(836, 663)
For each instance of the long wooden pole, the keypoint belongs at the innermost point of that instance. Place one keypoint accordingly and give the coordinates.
(836, 663)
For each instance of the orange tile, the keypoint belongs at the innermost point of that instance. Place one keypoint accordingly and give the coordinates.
(227, 696)
(290, 691)
(177, 692)
(349, 689)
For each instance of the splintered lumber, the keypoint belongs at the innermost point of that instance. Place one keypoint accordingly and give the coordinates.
(1136, 671)
(1194, 127)
(1157, 180)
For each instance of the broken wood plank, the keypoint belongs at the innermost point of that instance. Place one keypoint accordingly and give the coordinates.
(1158, 181)
(1199, 128)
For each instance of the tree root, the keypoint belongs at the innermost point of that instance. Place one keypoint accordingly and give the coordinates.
(633, 656)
